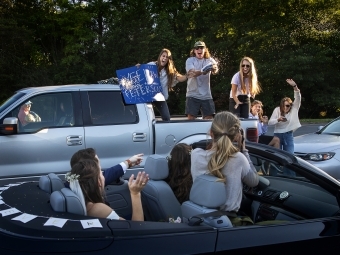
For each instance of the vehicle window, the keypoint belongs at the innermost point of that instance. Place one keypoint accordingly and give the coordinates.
(270, 168)
(108, 107)
(44, 111)
(333, 128)
(10, 101)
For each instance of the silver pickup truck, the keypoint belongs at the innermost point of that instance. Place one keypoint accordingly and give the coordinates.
(74, 117)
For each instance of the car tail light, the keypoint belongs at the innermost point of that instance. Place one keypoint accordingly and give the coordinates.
(252, 135)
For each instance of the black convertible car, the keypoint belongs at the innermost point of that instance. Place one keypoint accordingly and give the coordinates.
(295, 208)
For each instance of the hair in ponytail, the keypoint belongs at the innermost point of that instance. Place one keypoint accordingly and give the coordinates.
(224, 128)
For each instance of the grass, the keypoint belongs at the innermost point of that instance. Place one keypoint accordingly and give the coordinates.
(315, 121)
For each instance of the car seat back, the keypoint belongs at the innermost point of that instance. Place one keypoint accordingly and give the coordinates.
(207, 194)
(159, 201)
(65, 200)
(50, 183)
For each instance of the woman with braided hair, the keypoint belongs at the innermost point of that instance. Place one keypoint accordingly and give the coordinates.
(230, 163)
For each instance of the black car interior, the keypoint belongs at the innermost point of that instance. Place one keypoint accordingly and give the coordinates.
(283, 195)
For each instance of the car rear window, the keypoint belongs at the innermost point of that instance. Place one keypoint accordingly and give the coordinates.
(108, 107)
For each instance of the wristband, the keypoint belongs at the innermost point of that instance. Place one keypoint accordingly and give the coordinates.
(294, 86)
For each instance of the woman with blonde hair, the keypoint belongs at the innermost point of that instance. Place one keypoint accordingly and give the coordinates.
(224, 160)
(244, 85)
(285, 118)
(256, 112)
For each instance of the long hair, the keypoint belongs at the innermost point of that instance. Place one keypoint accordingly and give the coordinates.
(224, 128)
(282, 105)
(180, 179)
(255, 102)
(254, 86)
(206, 53)
(170, 68)
(89, 176)
(88, 153)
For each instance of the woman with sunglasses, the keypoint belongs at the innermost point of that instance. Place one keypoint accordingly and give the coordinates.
(244, 85)
(286, 119)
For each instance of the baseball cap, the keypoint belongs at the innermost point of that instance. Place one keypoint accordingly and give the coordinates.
(199, 44)
(28, 102)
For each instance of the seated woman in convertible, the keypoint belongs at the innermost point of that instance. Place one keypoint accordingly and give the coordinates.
(224, 160)
(87, 181)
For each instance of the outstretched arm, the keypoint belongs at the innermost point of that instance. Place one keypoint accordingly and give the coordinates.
(293, 84)
(135, 187)
(297, 94)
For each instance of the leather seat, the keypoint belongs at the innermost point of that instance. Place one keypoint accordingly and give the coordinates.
(159, 201)
(207, 194)
(50, 183)
(65, 200)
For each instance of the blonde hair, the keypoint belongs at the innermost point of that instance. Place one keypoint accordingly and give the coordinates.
(282, 105)
(224, 128)
(254, 86)
(255, 102)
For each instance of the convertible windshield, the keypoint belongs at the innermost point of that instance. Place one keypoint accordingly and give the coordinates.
(332, 128)
(10, 101)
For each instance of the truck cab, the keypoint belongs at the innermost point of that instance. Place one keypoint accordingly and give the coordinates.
(73, 117)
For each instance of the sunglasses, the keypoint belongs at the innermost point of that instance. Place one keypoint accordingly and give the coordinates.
(246, 66)
(199, 47)
(288, 105)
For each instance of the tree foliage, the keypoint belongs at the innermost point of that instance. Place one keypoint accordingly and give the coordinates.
(45, 42)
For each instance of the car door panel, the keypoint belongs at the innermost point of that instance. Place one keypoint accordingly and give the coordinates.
(43, 146)
(117, 131)
(275, 239)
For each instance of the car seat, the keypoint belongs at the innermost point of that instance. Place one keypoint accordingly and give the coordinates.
(207, 194)
(65, 200)
(67, 114)
(50, 183)
(159, 201)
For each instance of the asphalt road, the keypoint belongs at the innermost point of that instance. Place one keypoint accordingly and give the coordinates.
(305, 129)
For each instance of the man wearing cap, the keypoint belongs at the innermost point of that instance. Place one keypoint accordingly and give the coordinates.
(25, 115)
(198, 97)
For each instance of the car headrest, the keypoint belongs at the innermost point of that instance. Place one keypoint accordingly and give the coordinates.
(50, 183)
(157, 167)
(208, 191)
(65, 200)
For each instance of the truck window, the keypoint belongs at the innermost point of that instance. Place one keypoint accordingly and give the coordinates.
(44, 111)
(108, 108)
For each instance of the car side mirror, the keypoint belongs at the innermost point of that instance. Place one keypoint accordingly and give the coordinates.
(9, 126)
(319, 128)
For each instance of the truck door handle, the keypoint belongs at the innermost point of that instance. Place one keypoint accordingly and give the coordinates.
(139, 137)
(73, 140)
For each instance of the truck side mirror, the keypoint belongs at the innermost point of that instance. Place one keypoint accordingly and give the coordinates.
(9, 126)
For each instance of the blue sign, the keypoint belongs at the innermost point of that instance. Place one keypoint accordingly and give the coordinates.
(140, 84)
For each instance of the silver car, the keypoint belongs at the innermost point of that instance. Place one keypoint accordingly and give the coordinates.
(321, 148)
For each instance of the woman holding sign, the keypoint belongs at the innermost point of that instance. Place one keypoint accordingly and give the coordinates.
(244, 85)
(169, 77)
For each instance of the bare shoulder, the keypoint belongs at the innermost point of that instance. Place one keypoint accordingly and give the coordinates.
(99, 210)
